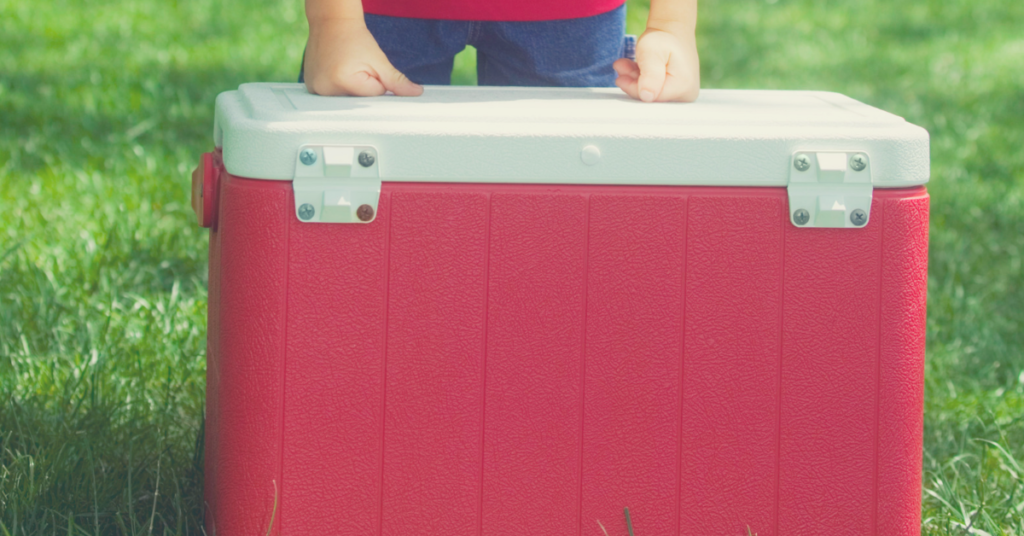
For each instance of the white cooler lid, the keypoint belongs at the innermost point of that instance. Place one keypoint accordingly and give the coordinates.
(567, 135)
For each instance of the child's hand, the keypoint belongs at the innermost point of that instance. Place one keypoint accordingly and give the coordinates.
(343, 58)
(666, 68)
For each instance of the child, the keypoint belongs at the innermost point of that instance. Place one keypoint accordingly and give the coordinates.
(398, 44)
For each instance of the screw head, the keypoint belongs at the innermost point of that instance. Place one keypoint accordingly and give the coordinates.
(364, 213)
(801, 162)
(858, 162)
(858, 217)
(307, 157)
(366, 159)
(306, 212)
(801, 217)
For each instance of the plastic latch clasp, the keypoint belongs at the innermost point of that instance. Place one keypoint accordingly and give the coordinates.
(336, 184)
(830, 189)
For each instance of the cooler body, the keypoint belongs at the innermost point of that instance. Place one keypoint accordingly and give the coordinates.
(487, 358)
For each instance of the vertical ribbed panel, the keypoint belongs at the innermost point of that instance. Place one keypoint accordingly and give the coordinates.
(901, 390)
(335, 378)
(433, 413)
(634, 358)
(829, 379)
(248, 362)
(538, 254)
(731, 369)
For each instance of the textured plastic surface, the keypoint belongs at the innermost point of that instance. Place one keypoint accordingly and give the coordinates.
(537, 135)
(528, 359)
(204, 188)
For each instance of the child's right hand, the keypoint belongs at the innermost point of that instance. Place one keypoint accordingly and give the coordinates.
(343, 58)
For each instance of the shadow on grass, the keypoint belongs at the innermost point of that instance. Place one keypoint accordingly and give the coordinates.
(91, 467)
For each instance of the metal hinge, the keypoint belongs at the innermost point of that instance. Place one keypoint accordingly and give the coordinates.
(830, 189)
(336, 184)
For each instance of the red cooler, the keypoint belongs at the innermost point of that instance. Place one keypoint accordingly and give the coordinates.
(509, 311)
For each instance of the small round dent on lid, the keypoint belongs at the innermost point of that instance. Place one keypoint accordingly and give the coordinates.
(590, 155)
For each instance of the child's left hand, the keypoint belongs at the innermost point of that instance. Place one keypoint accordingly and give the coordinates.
(666, 69)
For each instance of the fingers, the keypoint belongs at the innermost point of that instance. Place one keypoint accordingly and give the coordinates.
(682, 82)
(653, 62)
(397, 83)
(628, 74)
(678, 89)
(345, 59)
(628, 85)
(365, 82)
(357, 84)
(667, 69)
(626, 67)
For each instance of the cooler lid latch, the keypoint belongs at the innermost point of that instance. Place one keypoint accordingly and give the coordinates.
(830, 189)
(336, 184)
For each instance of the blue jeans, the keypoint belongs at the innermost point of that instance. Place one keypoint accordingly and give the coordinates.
(567, 53)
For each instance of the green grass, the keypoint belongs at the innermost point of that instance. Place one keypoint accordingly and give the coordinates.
(105, 106)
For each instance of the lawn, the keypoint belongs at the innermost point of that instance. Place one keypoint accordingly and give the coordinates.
(105, 107)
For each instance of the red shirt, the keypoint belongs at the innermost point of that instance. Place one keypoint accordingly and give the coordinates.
(496, 10)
